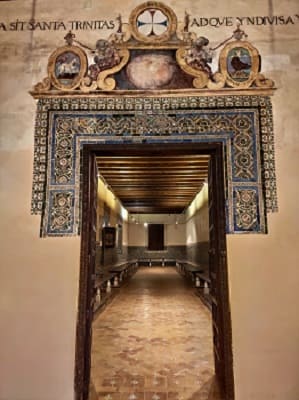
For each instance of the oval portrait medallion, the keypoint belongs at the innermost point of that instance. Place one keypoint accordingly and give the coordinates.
(239, 63)
(67, 66)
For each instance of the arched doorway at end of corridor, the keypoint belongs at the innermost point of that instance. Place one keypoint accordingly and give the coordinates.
(217, 254)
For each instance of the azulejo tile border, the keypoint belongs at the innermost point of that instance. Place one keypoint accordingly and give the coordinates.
(59, 216)
(243, 123)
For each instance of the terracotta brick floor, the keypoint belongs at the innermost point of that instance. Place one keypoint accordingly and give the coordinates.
(153, 342)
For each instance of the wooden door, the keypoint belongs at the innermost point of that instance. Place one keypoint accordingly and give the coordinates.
(87, 276)
(218, 276)
(219, 290)
(155, 237)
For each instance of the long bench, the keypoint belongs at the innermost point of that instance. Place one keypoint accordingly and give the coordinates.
(190, 269)
(106, 282)
(198, 274)
(151, 262)
(203, 288)
(122, 271)
(102, 289)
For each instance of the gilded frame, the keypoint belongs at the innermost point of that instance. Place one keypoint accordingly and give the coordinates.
(255, 64)
(159, 6)
(52, 64)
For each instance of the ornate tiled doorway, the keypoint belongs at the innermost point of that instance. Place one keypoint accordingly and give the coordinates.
(220, 309)
(104, 95)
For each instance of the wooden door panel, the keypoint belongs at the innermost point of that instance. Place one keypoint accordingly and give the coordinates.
(214, 276)
(88, 252)
(218, 276)
(218, 270)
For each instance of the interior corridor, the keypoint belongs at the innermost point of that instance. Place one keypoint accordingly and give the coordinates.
(153, 341)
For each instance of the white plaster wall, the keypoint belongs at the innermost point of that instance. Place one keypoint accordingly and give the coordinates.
(39, 277)
(263, 269)
(125, 227)
(137, 235)
(38, 297)
(175, 235)
(197, 227)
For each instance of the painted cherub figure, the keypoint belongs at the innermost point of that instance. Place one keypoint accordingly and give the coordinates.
(198, 56)
(106, 57)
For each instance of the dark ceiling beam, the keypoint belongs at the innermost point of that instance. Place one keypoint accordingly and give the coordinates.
(186, 158)
(174, 168)
(155, 205)
(154, 176)
(152, 163)
(158, 184)
(171, 194)
(156, 210)
(152, 185)
(178, 195)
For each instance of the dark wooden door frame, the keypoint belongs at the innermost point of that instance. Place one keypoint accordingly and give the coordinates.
(84, 319)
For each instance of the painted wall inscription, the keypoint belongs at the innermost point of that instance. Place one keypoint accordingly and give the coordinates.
(103, 24)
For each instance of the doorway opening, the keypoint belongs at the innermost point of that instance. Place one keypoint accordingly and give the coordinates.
(217, 254)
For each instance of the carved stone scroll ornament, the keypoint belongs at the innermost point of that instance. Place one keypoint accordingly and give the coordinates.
(42, 86)
(102, 79)
(203, 76)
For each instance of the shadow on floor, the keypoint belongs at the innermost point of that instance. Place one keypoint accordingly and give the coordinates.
(208, 391)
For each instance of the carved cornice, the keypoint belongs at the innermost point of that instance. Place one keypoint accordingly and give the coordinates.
(256, 91)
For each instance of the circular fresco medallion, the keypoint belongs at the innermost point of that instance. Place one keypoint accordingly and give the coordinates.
(153, 22)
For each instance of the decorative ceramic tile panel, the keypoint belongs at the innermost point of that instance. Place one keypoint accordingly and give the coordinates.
(59, 214)
(242, 123)
(246, 203)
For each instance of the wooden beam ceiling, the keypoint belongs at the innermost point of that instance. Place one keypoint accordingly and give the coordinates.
(158, 184)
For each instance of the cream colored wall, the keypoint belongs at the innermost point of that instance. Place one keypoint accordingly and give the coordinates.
(38, 297)
(39, 277)
(197, 218)
(137, 235)
(125, 226)
(197, 227)
(175, 235)
(263, 269)
(106, 198)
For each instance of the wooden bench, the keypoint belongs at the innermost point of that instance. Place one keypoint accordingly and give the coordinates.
(203, 277)
(151, 262)
(203, 288)
(199, 275)
(122, 271)
(102, 289)
(106, 282)
(171, 262)
(189, 269)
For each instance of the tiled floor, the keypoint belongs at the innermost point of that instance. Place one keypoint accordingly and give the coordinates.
(153, 342)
